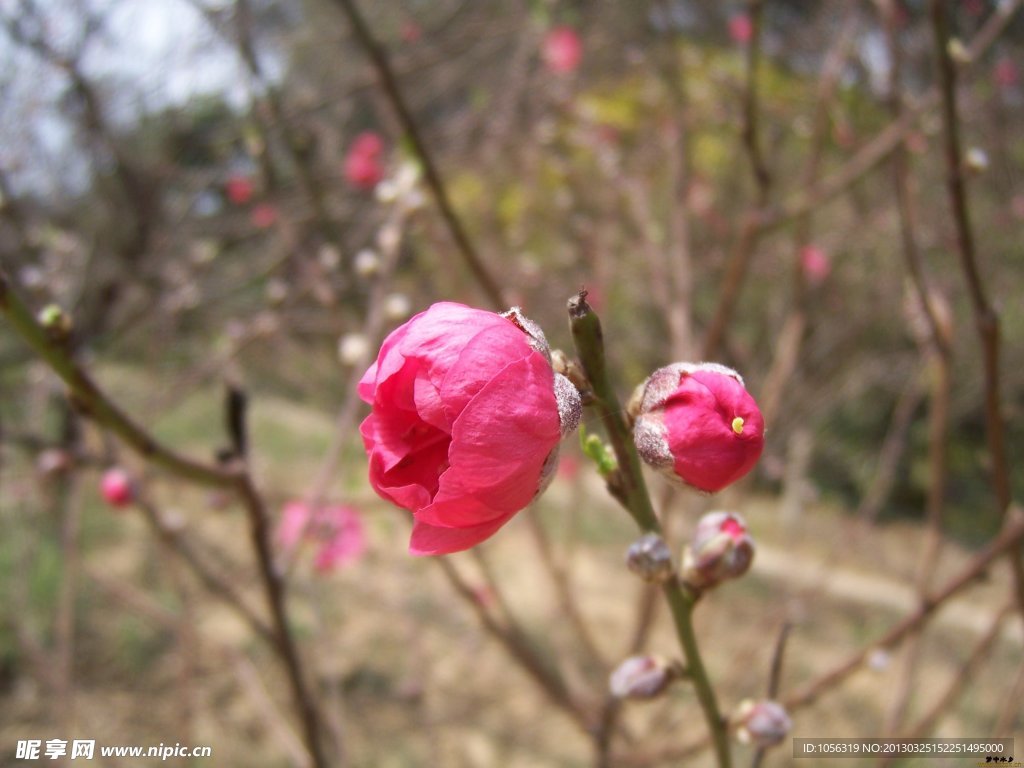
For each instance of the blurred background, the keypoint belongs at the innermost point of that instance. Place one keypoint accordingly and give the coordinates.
(254, 193)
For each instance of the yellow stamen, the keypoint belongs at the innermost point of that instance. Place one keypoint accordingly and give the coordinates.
(737, 425)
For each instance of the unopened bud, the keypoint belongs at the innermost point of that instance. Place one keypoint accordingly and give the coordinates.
(366, 263)
(642, 677)
(353, 348)
(397, 306)
(721, 549)
(53, 461)
(976, 160)
(958, 51)
(763, 723)
(650, 559)
(55, 320)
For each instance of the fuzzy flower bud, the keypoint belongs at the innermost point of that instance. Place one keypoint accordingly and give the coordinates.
(641, 677)
(698, 424)
(721, 549)
(650, 559)
(763, 723)
(466, 418)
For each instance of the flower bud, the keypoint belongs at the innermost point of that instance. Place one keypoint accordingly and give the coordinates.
(721, 549)
(56, 321)
(117, 487)
(53, 461)
(642, 677)
(650, 559)
(696, 423)
(763, 723)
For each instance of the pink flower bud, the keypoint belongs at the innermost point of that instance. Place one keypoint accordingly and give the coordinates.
(697, 423)
(721, 549)
(239, 189)
(263, 216)
(466, 419)
(741, 28)
(562, 50)
(650, 559)
(53, 461)
(117, 488)
(763, 723)
(815, 264)
(641, 677)
(363, 168)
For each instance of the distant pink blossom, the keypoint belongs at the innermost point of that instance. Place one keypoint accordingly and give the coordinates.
(466, 419)
(411, 31)
(1006, 72)
(363, 165)
(239, 189)
(562, 50)
(337, 530)
(263, 216)
(815, 264)
(974, 7)
(741, 28)
(117, 488)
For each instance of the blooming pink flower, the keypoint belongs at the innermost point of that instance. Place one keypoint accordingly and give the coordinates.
(117, 488)
(697, 423)
(741, 28)
(239, 189)
(363, 167)
(337, 530)
(562, 50)
(467, 416)
(263, 216)
(815, 264)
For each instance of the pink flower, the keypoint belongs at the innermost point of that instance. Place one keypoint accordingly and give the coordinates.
(1006, 73)
(697, 423)
(117, 488)
(337, 530)
(239, 189)
(467, 416)
(763, 723)
(562, 50)
(815, 264)
(263, 216)
(741, 28)
(411, 31)
(363, 167)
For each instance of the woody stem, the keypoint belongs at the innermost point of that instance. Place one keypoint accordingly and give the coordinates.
(632, 494)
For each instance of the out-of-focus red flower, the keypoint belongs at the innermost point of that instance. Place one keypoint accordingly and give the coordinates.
(117, 488)
(465, 423)
(337, 530)
(697, 423)
(741, 28)
(562, 50)
(239, 189)
(815, 264)
(263, 216)
(363, 165)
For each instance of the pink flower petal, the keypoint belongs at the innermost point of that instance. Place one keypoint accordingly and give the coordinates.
(432, 540)
(499, 445)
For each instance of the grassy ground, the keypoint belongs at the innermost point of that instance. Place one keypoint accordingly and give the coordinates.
(416, 680)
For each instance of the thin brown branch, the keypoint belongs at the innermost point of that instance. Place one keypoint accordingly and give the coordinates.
(985, 317)
(379, 59)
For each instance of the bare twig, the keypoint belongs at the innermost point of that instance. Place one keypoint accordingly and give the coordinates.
(379, 59)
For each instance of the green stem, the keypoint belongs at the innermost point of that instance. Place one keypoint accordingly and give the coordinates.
(631, 490)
